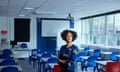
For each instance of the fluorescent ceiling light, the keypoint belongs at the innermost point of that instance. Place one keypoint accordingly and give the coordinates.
(44, 12)
(21, 15)
(28, 8)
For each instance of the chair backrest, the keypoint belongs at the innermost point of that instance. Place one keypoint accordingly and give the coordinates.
(92, 59)
(86, 50)
(81, 54)
(23, 45)
(96, 52)
(113, 67)
(34, 51)
(4, 56)
(114, 57)
(46, 55)
(7, 52)
(8, 62)
(9, 69)
(52, 60)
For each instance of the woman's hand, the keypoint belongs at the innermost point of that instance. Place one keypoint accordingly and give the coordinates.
(62, 61)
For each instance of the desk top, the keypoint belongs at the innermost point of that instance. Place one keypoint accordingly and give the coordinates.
(45, 59)
(91, 50)
(84, 57)
(118, 55)
(103, 62)
(106, 52)
(52, 65)
(17, 66)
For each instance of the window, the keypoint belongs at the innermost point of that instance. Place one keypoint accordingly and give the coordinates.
(110, 24)
(117, 29)
(103, 30)
(102, 24)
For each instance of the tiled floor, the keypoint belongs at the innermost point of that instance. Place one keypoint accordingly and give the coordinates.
(26, 67)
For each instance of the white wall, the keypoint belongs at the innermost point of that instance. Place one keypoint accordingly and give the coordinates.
(8, 23)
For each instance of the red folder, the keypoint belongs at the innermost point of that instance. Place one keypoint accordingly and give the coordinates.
(57, 68)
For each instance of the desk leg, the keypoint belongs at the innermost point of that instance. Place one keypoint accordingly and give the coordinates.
(98, 68)
(82, 66)
(43, 67)
(38, 65)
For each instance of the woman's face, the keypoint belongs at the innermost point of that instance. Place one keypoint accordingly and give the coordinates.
(69, 37)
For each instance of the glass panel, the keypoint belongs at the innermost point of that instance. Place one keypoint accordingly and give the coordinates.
(95, 25)
(117, 29)
(118, 39)
(110, 24)
(110, 39)
(95, 39)
(102, 24)
(117, 22)
(87, 26)
(102, 40)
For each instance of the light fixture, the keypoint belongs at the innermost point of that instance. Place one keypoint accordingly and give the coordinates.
(21, 15)
(44, 12)
(28, 8)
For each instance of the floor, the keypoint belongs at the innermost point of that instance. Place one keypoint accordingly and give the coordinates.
(26, 67)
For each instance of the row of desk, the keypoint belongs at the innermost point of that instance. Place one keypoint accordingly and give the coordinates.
(14, 58)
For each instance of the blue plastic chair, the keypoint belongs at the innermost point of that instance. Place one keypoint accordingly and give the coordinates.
(33, 53)
(23, 45)
(51, 60)
(7, 52)
(96, 52)
(86, 51)
(5, 56)
(8, 62)
(78, 57)
(41, 62)
(9, 69)
(114, 57)
(37, 57)
(90, 62)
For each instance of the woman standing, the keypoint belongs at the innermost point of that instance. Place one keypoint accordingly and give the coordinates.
(68, 52)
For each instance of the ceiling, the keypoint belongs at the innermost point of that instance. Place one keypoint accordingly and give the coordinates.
(57, 8)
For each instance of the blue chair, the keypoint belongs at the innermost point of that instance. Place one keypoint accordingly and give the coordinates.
(51, 60)
(42, 62)
(5, 56)
(33, 53)
(8, 62)
(96, 53)
(90, 62)
(78, 57)
(23, 45)
(114, 57)
(9, 69)
(7, 52)
(86, 51)
(37, 57)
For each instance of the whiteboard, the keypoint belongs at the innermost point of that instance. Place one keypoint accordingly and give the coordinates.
(50, 28)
